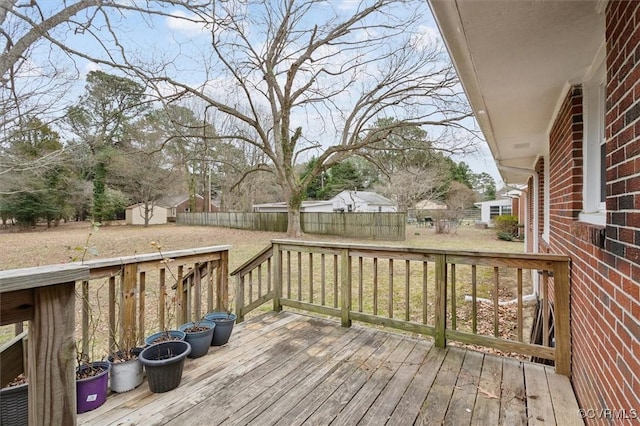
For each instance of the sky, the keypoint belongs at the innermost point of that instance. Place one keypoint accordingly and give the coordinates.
(184, 44)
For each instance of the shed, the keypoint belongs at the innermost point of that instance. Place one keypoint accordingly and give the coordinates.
(134, 214)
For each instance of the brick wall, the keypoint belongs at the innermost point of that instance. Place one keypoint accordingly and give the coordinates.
(605, 272)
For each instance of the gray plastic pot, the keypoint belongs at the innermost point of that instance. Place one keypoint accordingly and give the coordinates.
(200, 341)
(224, 326)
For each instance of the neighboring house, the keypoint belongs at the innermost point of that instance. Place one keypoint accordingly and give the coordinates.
(134, 215)
(180, 204)
(307, 206)
(555, 86)
(362, 201)
(492, 208)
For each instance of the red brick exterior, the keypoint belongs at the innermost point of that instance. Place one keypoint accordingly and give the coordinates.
(605, 272)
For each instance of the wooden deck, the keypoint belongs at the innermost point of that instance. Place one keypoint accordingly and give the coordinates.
(290, 369)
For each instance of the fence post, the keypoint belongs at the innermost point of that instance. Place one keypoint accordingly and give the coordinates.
(345, 287)
(562, 318)
(277, 276)
(441, 301)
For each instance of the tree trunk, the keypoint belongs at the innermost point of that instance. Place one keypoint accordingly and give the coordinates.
(293, 226)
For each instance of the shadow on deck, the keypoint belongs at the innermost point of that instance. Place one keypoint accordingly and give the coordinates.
(289, 369)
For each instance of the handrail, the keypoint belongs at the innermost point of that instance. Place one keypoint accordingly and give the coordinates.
(413, 289)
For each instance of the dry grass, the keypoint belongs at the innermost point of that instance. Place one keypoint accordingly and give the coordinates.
(42, 246)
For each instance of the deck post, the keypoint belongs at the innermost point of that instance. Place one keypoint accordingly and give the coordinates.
(52, 358)
(562, 317)
(441, 301)
(128, 305)
(345, 287)
(277, 277)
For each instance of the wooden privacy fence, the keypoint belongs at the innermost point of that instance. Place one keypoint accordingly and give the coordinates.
(377, 226)
(121, 300)
(449, 295)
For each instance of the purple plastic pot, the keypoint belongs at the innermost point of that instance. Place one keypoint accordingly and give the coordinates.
(92, 391)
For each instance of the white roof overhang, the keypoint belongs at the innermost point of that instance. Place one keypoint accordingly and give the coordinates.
(516, 60)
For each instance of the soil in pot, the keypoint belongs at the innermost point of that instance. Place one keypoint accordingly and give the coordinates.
(165, 336)
(199, 335)
(163, 363)
(92, 382)
(224, 326)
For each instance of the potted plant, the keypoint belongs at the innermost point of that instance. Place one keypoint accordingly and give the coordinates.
(163, 363)
(14, 402)
(92, 383)
(224, 326)
(126, 370)
(199, 335)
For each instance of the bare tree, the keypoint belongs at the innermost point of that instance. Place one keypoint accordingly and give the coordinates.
(411, 185)
(306, 77)
(310, 79)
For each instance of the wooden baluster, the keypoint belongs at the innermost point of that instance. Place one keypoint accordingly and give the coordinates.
(441, 301)
(210, 290)
(375, 286)
(162, 299)
(260, 280)
(390, 288)
(128, 318)
(474, 300)
(454, 312)
(545, 308)
(425, 276)
(345, 294)
(335, 280)
(181, 305)
(323, 290)
(197, 292)
(288, 274)
(310, 277)
(141, 308)
(277, 275)
(269, 278)
(496, 285)
(222, 282)
(250, 286)
(407, 270)
(360, 286)
(86, 311)
(299, 275)
(520, 314)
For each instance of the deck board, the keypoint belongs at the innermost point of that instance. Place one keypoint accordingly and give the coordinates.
(290, 369)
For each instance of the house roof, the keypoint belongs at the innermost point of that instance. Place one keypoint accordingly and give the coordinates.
(174, 200)
(367, 197)
(304, 204)
(516, 61)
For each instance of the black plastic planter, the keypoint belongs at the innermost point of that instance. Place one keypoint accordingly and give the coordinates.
(163, 363)
(13, 405)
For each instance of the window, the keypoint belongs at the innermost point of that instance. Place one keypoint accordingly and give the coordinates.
(594, 144)
(494, 211)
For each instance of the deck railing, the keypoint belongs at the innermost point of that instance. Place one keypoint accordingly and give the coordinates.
(121, 299)
(449, 295)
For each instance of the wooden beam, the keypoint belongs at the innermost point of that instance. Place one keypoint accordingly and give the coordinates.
(345, 287)
(52, 360)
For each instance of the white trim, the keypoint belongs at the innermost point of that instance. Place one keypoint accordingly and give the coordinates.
(601, 6)
(594, 210)
(546, 195)
(556, 110)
